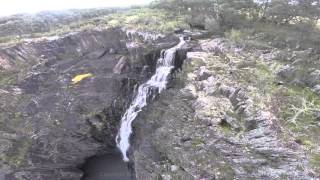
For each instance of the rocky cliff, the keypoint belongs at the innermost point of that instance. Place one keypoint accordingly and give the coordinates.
(231, 115)
(62, 98)
(230, 111)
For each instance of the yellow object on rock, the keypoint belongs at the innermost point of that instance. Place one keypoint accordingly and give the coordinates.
(80, 77)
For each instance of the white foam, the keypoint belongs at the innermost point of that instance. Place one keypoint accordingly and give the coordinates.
(158, 81)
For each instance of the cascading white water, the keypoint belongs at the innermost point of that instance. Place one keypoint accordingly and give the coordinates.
(165, 64)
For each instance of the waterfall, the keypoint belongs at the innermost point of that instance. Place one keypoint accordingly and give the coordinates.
(165, 64)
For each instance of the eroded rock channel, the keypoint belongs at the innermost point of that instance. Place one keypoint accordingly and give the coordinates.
(67, 100)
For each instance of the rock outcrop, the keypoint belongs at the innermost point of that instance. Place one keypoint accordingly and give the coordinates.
(217, 122)
(65, 98)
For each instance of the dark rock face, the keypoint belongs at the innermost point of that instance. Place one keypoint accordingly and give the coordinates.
(66, 107)
(61, 48)
(109, 166)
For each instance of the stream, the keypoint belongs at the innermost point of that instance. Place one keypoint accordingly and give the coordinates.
(158, 81)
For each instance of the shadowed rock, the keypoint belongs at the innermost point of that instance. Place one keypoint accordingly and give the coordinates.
(123, 66)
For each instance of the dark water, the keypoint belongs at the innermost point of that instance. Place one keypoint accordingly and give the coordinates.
(106, 167)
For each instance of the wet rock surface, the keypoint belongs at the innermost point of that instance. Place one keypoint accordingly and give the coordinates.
(110, 166)
(65, 105)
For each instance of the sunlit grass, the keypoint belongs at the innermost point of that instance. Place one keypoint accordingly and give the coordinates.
(145, 19)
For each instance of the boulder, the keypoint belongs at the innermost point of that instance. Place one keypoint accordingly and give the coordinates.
(316, 89)
(203, 73)
(314, 78)
(286, 72)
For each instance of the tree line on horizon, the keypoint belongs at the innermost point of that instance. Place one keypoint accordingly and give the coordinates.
(226, 12)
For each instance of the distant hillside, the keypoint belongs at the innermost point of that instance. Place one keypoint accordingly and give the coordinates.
(22, 25)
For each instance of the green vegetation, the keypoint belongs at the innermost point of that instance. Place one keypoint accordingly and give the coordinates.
(147, 20)
(315, 162)
(281, 23)
(235, 35)
(226, 128)
(143, 19)
(300, 104)
(7, 78)
(299, 36)
(17, 156)
(235, 12)
(278, 22)
(197, 142)
(16, 27)
(296, 107)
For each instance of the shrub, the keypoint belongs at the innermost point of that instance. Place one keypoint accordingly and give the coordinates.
(196, 21)
(300, 36)
(235, 35)
(212, 25)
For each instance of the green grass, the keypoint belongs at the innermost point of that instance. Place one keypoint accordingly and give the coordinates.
(143, 19)
(197, 141)
(315, 162)
(296, 107)
(266, 35)
(147, 20)
(7, 78)
(236, 35)
(17, 157)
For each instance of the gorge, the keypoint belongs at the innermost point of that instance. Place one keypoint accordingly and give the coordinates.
(149, 93)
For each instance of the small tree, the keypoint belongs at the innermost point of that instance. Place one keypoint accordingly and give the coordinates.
(286, 11)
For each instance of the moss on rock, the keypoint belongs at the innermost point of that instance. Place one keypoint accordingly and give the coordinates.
(17, 156)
